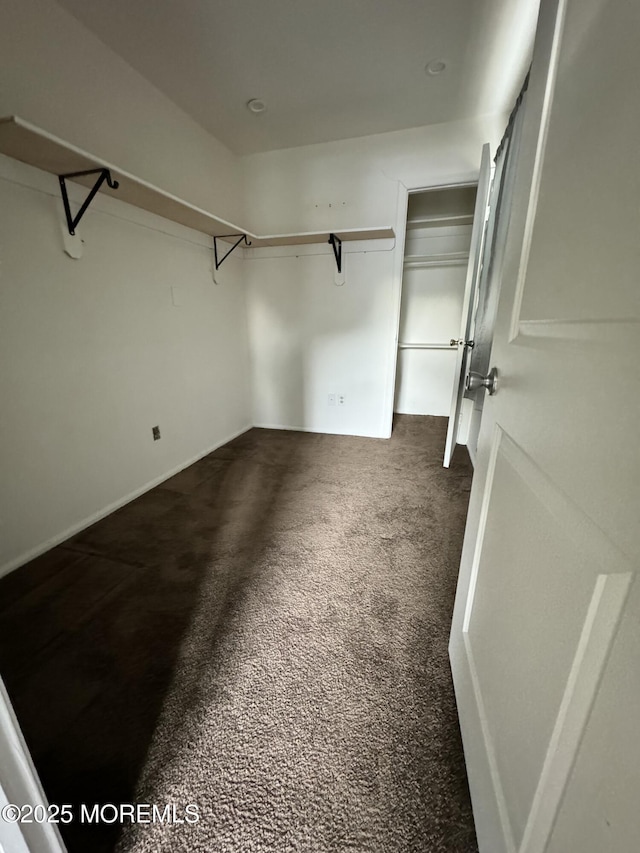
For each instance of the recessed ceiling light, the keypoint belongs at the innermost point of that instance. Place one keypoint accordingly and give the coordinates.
(256, 105)
(435, 67)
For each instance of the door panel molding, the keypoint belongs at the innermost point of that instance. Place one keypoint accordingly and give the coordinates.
(487, 742)
(526, 820)
(598, 633)
(496, 441)
(489, 804)
(571, 330)
(557, 32)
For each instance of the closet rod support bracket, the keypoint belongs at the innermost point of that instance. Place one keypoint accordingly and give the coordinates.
(218, 260)
(336, 244)
(104, 175)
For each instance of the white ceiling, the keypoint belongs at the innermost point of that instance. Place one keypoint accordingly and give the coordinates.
(327, 69)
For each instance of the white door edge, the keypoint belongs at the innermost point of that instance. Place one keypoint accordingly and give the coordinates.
(20, 785)
(466, 321)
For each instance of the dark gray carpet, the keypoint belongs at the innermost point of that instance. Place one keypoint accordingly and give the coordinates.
(271, 645)
(312, 707)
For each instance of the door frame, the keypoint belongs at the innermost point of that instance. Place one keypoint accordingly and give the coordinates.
(20, 785)
(404, 192)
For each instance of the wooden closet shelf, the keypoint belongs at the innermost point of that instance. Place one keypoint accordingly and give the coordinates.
(444, 260)
(36, 147)
(440, 221)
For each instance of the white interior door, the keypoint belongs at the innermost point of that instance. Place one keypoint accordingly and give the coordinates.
(545, 643)
(471, 286)
(26, 831)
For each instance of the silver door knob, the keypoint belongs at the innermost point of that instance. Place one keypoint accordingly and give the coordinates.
(477, 380)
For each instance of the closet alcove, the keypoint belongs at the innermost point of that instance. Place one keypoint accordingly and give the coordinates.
(439, 224)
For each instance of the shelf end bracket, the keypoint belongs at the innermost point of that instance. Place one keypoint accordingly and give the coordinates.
(241, 238)
(103, 175)
(336, 244)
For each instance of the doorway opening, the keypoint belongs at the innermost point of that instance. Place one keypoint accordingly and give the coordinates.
(436, 258)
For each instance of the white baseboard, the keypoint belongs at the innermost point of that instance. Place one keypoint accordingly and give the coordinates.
(319, 431)
(112, 507)
(472, 454)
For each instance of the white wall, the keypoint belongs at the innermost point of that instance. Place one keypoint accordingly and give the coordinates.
(292, 189)
(56, 74)
(94, 353)
(347, 184)
(310, 338)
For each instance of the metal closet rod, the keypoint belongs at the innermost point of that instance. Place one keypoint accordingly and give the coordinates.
(403, 345)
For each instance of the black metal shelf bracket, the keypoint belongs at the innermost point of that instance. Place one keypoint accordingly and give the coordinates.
(336, 244)
(241, 237)
(105, 175)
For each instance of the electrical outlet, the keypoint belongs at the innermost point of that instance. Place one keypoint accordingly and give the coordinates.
(156, 432)
(332, 399)
(341, 399)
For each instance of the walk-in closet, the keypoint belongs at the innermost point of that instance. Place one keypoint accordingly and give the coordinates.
(439, 224)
